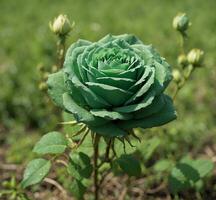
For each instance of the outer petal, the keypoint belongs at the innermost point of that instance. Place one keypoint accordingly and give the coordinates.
(146, 101)
(81, 114)
(79, 43)
(165, 115)
(162, 69)
(157, 104)
(111, 115)
(56, 87)
(145, 87)
(163, 74)
(129, 38)
(90, 97)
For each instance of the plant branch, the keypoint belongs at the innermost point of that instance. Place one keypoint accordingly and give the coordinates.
(96, 154)
(181, 84)
(57, 185)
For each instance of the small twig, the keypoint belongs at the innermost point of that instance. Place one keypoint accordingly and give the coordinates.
(10, 167)
(83, 128)
(123, 194)
(56, 184)
(157, 189)
(104, 176)
(62, 162)
(125, 190)
(83, 138)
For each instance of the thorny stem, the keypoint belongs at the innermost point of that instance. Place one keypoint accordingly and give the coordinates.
(96, 185)
(61, 51)
(181, 84)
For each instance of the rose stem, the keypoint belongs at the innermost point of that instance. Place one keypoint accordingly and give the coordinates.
(96, 186)
(186, 77)
(61, 51)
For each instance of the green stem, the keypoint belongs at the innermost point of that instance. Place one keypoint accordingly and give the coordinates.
(182, 43)
(181, 84)
(61, 51)
(96, 185)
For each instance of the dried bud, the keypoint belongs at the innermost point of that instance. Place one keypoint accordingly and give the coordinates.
(61, 25)
(195, 57)
(182, 60)
(181, 22)
(176, 75)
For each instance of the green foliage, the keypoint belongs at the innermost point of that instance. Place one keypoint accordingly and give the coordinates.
(21, 146)
(78, 189)
(12, 191)
(51, 143)
(35, 172)
(22, 104)
(148, 147)
(163, 165)
(128, 164)
(80, 165)
(188, 174)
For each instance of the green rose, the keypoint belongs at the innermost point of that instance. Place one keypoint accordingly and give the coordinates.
(114, 85)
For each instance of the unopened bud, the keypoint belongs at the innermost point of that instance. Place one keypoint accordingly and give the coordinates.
(182, 60)
(61, 25)
(54, 68)
(43, 86)
(195, 57)
(181, 22)
(40, 67)
(176, 75)
(45, 75)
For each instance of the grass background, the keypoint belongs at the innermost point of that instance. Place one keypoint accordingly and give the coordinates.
(26, 41)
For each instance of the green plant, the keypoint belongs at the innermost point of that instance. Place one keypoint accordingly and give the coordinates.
(93, 88)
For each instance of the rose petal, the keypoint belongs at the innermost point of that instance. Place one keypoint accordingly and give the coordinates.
(113, 95)
(81, 114)
(165, 115)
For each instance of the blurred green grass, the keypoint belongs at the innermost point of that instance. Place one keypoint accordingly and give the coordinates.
(27, 41)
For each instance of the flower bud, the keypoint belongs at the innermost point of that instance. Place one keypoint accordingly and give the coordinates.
(181, 22)
(54, 68)
(40, 67)
(61, 25)
(43, 86)
(182, 60)
(195, 57)
(45, 75)
(176, 75)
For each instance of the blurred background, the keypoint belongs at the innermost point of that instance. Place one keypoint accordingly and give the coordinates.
(26, 42)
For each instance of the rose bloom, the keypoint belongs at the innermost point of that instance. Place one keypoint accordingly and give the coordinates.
(114, 85)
